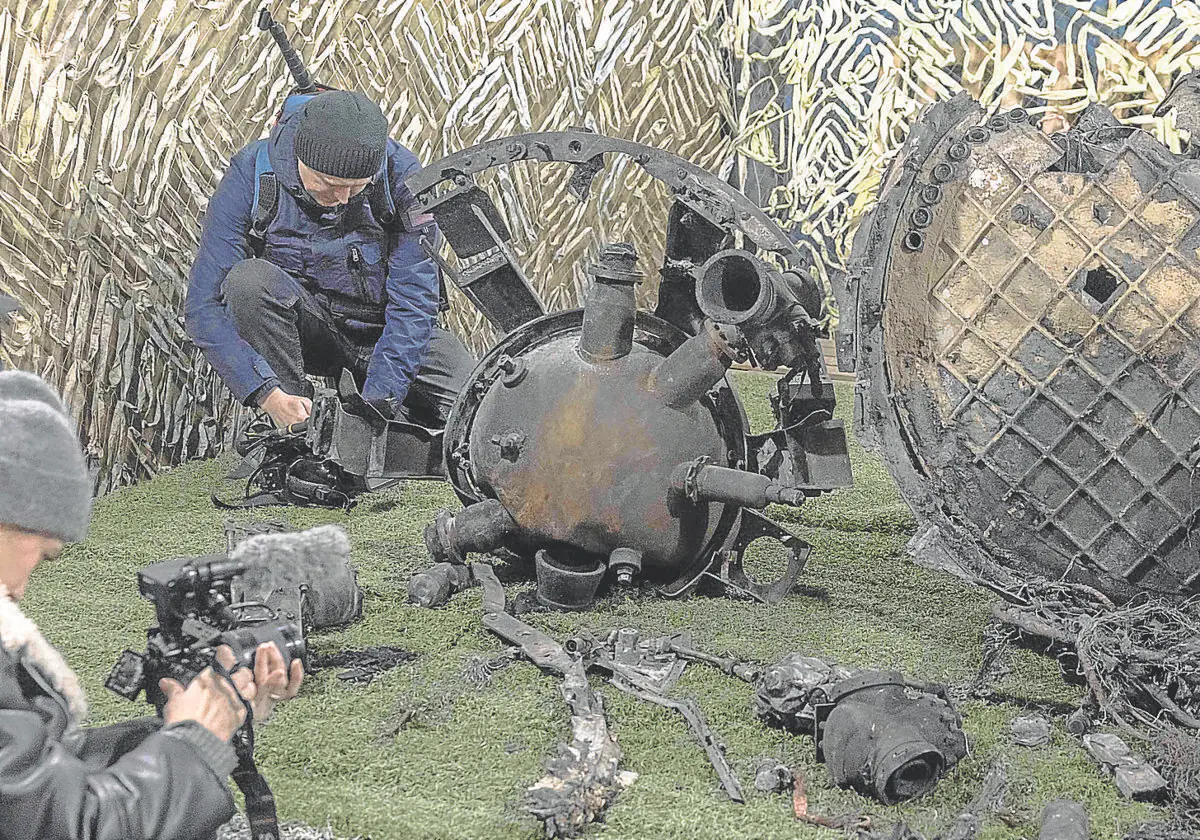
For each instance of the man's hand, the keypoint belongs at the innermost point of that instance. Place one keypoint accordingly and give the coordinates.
(272, 683)
(209, 699)
(284, 408)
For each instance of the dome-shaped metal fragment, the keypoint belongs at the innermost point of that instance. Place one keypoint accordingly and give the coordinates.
(1030, 372)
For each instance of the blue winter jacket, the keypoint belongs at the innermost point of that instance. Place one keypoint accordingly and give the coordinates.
(314, 244)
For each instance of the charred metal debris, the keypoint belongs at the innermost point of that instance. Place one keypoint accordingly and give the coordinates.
(1140, 661)
(887, 737)
(605, 443)
(362, 666)
(1023, 313)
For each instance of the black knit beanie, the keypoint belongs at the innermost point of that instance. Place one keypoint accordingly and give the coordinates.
(343, 134)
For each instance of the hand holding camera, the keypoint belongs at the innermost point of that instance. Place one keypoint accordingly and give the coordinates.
(216, 703)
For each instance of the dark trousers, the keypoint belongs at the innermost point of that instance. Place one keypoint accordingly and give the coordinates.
(300, 333)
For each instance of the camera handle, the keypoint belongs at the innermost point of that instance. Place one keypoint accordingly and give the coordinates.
(260, 801)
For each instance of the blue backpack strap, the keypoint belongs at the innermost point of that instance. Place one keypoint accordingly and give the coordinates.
(266, 199)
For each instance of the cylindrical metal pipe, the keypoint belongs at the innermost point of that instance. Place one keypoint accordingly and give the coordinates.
(696, 366)
(481, 527)
(736, 288)
(708, 483)
(610, 308)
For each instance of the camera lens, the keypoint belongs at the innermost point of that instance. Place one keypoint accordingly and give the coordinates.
(245, 641)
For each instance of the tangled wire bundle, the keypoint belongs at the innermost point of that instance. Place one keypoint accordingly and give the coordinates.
(1141, 661)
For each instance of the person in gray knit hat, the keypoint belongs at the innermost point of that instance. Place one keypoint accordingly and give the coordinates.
(59, 780)
(311, 262)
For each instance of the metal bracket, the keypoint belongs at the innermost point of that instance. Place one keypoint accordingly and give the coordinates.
(732, 575)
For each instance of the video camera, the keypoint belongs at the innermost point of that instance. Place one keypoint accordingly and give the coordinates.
(196, 614)
(270, 587)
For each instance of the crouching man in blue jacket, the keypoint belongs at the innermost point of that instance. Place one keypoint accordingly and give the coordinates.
(308, 263)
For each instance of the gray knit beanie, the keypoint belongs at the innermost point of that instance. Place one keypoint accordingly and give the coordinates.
(342, 133)
(44, 483)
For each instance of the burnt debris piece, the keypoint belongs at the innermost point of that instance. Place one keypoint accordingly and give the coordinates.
(887, 737)
(1139, 660)
(585, 777)
(1023, 312)
(1030, 730)
(605, 443)
(1063, 819)
(363, 666)
(1134, 777)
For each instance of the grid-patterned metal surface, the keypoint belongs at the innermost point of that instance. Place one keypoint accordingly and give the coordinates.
(1052, 318)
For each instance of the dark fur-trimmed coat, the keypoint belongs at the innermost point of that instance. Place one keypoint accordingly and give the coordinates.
(61, 781)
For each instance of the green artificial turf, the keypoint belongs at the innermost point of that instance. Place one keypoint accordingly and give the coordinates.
(465, 753)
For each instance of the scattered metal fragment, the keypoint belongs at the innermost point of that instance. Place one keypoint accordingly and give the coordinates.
(679, 645)
(364, 665)
(435, 586)
(696, 723)
(989, 800)
(995, 663)
(845, 822)
(1079, 722)
(478, 670)
(1063, 819)
(585, 777)
(773, 777)
(656, 666)
(1135, 778)
(1029, 354)
(787, 689)
(1030, 730)
(581, 784)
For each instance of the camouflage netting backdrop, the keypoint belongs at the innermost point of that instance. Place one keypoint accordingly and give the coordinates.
(117, 119)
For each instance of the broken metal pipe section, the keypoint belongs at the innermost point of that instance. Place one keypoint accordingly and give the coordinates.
(697, 365)
(610, 309)
(737, 289)
(702, 481)
(563, 587)
(435, 587)
(481, 527)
